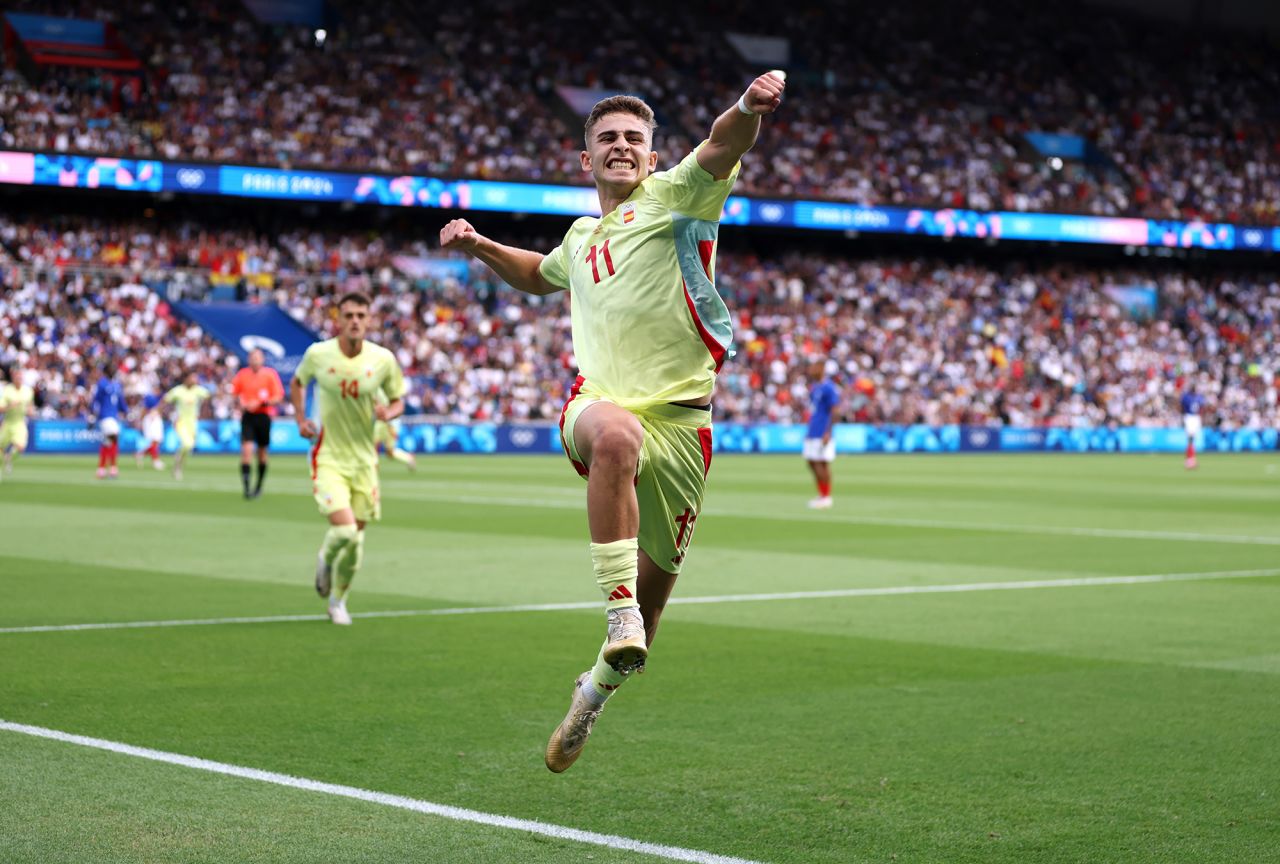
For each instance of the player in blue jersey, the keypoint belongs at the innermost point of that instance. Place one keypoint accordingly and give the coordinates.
(1192, 402)
(107, 406)
(819, 447)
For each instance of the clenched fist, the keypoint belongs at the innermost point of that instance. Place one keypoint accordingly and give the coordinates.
(765, 93)
(459, 234)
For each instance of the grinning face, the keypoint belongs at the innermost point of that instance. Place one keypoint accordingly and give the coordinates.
(619, 152)
(353, 320)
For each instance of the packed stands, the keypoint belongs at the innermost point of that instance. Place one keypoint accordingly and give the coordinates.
(916, 103)
(920, 340)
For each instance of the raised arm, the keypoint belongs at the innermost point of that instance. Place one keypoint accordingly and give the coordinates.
(517, 267)
(735, 131)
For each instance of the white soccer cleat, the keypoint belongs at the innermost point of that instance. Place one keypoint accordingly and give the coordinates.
(324, 576)
(626, 651)
(412, 463)
(177, 473)
(571, 735)
(158, 464)
(338, 613)
(820, 503)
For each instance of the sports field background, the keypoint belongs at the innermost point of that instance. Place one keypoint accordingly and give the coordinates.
(1093, 723)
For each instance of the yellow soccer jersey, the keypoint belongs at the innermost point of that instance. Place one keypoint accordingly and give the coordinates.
(15, 399)
(345, 388)
(188, 400)
(648, 325)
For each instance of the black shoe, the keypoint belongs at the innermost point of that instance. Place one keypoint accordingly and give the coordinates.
(257, 493)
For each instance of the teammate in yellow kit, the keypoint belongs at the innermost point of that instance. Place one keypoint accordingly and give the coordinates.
(348, 371)
(186, 398)
(650, 333)
(17, 402)
(386, 434)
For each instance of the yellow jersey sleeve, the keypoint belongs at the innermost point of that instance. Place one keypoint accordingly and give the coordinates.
(393, 381)
(690, 189)
(554, 268)
(307, 367)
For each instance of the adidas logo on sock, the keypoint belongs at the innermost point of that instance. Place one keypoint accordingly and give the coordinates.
(620, 593)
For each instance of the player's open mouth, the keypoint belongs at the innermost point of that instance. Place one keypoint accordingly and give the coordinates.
(620, 163)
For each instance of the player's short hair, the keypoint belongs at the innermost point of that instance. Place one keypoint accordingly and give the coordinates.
(357, 297)
(623, 104)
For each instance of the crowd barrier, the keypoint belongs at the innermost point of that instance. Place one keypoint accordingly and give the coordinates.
(223, 436)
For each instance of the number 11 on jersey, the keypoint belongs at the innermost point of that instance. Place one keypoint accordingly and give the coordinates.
(608, 260)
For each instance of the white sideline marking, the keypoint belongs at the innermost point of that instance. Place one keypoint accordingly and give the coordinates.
(445, 811)
(579, 503)
(1080, 582)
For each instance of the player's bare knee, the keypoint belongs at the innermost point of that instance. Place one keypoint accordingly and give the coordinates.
(617, 445)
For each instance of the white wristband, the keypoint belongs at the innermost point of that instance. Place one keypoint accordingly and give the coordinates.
(742, 105)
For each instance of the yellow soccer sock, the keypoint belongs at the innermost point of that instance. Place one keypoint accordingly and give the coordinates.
(337, 538)
(348, 564)
(617, 565)
(604, 679)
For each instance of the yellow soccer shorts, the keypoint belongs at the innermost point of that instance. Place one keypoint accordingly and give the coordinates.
(13, 435)
(337, 489)
(670, 478)
(186, 433)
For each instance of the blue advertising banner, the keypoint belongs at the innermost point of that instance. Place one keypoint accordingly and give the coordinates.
(223, 436)
(140, 175)
(245, 326)
(1056, 144)
(46, 28)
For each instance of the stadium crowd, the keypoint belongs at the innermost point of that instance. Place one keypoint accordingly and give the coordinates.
(918, 340)
(921, 103)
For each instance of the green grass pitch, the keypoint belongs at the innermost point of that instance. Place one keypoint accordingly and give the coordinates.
(1095, 723)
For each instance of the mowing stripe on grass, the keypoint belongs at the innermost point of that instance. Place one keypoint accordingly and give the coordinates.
(579, 503)
(1082, 582)
(445, 811)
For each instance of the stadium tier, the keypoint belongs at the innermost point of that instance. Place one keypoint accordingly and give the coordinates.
(993, 107)
(921, 340)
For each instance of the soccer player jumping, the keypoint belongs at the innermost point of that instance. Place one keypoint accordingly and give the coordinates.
(348, 372)
(650, 333)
